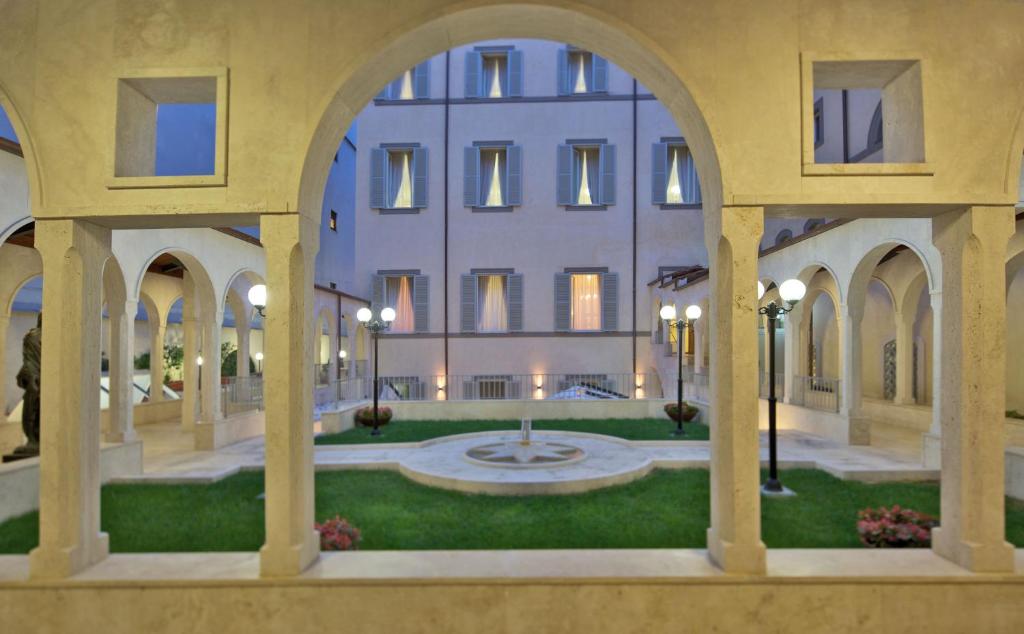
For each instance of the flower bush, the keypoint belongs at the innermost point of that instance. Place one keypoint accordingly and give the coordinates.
(895, 528)
(364, 416)
(689, 412)
(338, 534)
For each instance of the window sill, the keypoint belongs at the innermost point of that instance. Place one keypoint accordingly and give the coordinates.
(672, 206)
(396, 211)
(868, 169)
(494, 209)
(586, 207)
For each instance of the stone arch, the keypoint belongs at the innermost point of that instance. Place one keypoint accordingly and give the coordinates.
(8, 231)
(250, 276)
(867, 264)
(361, 77)
(1015, 160)
(28, 152)
(783, 236)
(205, 292)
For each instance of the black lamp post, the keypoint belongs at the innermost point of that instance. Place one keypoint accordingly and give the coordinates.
(668, 313)
(376, 324)
(791, 291)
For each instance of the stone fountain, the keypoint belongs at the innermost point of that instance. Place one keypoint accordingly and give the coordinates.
(525, 452)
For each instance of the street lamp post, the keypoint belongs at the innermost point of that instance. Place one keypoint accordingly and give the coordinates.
(791, 292)
(668, 313)
(376, 324)
(259, 363)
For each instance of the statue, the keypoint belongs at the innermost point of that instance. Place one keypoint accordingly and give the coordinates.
(29, 379)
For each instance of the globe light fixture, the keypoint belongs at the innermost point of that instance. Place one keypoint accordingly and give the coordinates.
(258, 298)
(364, 314)
(259, 363)
(760, 289)
(791, 291)
(199, 360)
(342, 354)
(669, 314)
(388, 314)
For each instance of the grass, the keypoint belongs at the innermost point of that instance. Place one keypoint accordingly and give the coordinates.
(414, 431)
(667, 509)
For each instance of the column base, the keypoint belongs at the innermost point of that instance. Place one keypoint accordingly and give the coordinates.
(741, 559)
(858, 430)
(61, 563)
(290, 561)
(931, 450)
(226, 431)
(975, 557)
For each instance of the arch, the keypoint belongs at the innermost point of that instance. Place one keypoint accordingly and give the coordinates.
(807, 274)
(9, 230)
(152, 312)
(912, 294)
(783, 236)
(208, 299)
(812, 224)
(250, 276)
(1015, 159)
(875, 134)
(114, 287)
(867, 264)
(425, 36)
(27, 148)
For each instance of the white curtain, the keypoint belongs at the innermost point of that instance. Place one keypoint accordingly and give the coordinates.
(493, 304)
(492, 177)
(400, 179)
(494, 75)
(399, 297)
(587, 176)
(406, 91)
(586, 301)
(683, 185)
(579, 72)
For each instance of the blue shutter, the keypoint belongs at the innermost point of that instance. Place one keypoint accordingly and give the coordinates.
(419, 179)
(599, 67)
(471, 177)
(563, 72)
(610, 302)
(421, 80)
(378, 182)
(563, 190)
(659, 173)
(607, 174)
(563, 302)
(515, 302)
(514, 180)
(474, 74)
(421, 303)
(467, 304)
(515, 73)
(377, 292)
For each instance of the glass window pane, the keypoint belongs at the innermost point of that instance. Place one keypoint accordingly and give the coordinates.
(398, 295)
(493, 304)
(586, 177)
(495, 75)
(586, 301)
(400, 178)
(492, 176)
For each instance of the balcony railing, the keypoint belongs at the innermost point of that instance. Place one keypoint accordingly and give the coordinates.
(816, 392)
(241, 394)
(497, 387)
(780, 383)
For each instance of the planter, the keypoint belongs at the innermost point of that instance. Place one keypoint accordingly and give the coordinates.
(364, 416)
(689, 412)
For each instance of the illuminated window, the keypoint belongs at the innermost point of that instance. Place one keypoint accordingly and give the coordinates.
(586, 301)
(333, 222)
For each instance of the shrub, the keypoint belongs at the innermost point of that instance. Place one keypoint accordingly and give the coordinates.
(895, 528)
(338, 534)
(689, 412)
(1014, 414)
(364, 416)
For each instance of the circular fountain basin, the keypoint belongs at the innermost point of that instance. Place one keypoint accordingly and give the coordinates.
(497, 463)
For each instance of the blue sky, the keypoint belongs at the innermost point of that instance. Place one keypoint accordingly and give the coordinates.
(6, 129)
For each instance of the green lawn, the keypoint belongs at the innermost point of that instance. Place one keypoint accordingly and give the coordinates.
(667, 509)
(413, 431)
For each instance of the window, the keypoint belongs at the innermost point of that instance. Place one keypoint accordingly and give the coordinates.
(813, 224)
(492, 387)
(875, 130)
(586, 174)
(783, 236)
(494, 72)
(492, 301)
(581, 72)
(412, 84)
(674, 175)
(333, 222)
(493, 176)
(408, 294)
(819, 122)
(586, 300)
(398, 178)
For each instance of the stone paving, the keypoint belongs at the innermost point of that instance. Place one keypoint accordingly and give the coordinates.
(169, 458)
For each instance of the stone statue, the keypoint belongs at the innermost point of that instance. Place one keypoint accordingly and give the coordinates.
(28, 380)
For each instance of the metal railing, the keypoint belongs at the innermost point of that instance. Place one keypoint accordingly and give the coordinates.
(494, 387)
(241, 394)
(816, 392)
(780, 385)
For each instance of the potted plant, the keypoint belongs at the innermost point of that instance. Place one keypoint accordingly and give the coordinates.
(364, 416)
(895, 528)
(688, 414)
(338, 534)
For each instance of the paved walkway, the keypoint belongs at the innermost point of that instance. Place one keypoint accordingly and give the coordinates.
(169, 456)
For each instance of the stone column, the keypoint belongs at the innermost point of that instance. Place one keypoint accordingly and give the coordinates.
(157, 332)
(290, 243)
(932, 441)
(73, 254)
(793, 333)
(209, 394)
(190, 344)
(698, 345)
(904, 358)
(5, 321)
(243, 348)
(972, 391)
(122, 369)
(850, 360)
(732, 236)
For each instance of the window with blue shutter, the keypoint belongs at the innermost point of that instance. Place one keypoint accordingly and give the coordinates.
(515, 302)
(378, 178)
(398, 177)
(474, 74)
(563, 302)
(564, 176)
(467, 303)
(515, 73)
(610, 302)
(564, 88)
(600, 70)
(419, 182)
(421, 80)
(607, 174)
(471, 177)
(514, 187)
(421, 303)
(659, 173)
(492, 175)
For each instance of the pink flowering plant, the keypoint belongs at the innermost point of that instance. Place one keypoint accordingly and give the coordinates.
(895, 528)
(364, 416)
(338, 534)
